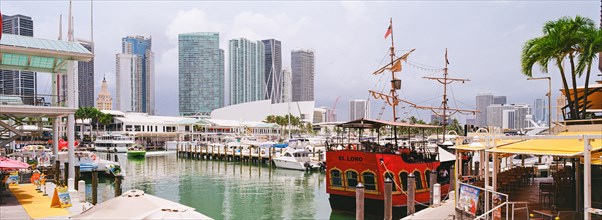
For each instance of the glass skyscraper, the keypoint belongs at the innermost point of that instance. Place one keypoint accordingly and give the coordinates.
(303, 70)
(201, 73)
(21, 83)
(247, 73)
(135, 75)
(273, 69)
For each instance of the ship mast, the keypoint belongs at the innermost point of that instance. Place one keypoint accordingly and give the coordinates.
(446, 81)
(393, 80)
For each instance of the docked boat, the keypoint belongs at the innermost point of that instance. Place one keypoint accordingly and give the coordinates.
(113, 143)
(372, 161)
(136, 151)
(295, 159)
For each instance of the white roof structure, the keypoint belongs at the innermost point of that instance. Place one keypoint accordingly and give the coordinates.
(259, 110)
(234, 123)
(144, 118)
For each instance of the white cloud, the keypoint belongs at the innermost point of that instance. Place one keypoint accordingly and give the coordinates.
(354, 10)
(193, 20)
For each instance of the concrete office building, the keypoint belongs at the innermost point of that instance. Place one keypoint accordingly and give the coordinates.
(359, 108)
(303, 72)
(18, 83)
(482, 101)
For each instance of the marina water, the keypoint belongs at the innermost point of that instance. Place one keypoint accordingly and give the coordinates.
(226, 190)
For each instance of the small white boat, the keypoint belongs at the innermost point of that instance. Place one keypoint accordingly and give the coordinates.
(296, 159)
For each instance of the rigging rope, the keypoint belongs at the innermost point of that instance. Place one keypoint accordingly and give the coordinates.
(397, 186)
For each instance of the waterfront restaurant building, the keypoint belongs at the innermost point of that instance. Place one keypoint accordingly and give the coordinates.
(156, 130)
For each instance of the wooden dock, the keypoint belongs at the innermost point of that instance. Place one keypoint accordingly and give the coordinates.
(250, 155)
(253, 154)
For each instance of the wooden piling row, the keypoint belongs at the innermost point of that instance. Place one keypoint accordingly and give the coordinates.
(203, 153)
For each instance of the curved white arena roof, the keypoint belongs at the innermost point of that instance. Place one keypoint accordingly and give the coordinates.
(259, 110)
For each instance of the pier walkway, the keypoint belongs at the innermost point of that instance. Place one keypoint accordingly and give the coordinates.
(24, 202)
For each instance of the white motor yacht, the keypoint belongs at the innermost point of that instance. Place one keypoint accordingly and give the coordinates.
(113, 143)
(295, 159)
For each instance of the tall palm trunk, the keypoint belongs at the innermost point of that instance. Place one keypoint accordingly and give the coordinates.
(575, 95)
(565, 84)
(586, 89)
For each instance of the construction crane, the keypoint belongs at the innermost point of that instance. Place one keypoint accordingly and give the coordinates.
(334, 106)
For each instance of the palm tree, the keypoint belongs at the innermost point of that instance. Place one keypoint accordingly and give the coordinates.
(561, 40)
(591, 45)
(105, 119)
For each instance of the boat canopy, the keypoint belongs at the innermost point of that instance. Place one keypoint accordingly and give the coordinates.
(281, 145)
(373, 124)
(569, 147)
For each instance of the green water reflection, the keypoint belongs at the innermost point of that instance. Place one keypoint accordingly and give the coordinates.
(228, 190)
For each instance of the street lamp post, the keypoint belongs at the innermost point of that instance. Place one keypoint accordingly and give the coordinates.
(549, 95)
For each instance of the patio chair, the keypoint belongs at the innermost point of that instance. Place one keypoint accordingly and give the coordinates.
(546, 191)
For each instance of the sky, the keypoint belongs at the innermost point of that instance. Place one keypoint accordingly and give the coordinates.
(483, 38)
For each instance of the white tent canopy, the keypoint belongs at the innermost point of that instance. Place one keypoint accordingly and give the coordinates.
(135, 204)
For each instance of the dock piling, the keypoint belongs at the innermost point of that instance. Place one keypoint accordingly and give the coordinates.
(359, 201)
(94, 186)
(118, 189)
(388, 199)
(477, 168)
(66, 173)
(81, 190)
(432, 182)
(76, 176)
(57, 171)
(411, 193)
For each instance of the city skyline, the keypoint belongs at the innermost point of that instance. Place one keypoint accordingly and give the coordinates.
(332, 29)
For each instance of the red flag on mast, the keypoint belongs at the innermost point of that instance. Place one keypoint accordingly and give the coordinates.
(389, 30)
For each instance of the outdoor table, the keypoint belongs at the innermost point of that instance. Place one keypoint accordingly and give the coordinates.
(546, 213)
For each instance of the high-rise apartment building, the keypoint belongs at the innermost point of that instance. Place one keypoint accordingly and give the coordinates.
(135, 70)
(359, 108)
(539, 110)
(247, 72)
(303, 71)
(126, 73)
(501, 100)
(273, 69)
(19, 83)
(483, 100)
(287, 85)
(510, 116)
(104, 100)
(201, 73)
(85, 78)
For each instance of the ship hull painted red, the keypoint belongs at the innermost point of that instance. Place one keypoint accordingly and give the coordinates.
(343, 197)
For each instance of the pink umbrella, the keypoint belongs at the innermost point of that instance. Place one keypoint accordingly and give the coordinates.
(9, 164)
